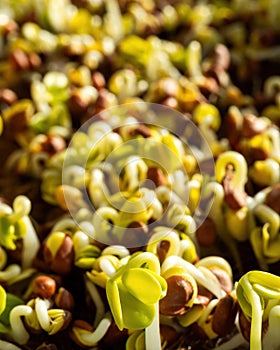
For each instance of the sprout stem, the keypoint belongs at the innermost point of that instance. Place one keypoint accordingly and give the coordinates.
(19, 333)
(152, 333)
(99, 332)
(100, 309)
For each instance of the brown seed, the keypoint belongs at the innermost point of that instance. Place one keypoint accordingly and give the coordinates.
(168, 334)
(208, 86)
(157, 176)
(16, 124)
(234, 198)
(273, 198)
(62, 262)
(253, 125)
(114, 338)
(222, 57)
(77, 104)
(34, 60)
(198, 332)
(64, 299)
(224, 316)
(98, 80)
(244, 325)
(162, 250)
(258, 154)
(8, 96)
(232, 127)
(179, 292)
(44, 286)
(105, 100)
(141, 130)
(20, 59)
(204, 294)
(67, 320)
(53, 144)
(206, 233)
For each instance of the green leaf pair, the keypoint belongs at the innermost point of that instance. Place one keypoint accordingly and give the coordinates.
(134, 291)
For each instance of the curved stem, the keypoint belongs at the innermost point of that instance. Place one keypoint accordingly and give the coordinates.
(19, 333)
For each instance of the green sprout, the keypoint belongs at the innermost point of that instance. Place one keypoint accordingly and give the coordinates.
(254, 292)
(134, 290)
(12, 222)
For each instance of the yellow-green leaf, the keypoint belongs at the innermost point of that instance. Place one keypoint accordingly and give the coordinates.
(143, 284)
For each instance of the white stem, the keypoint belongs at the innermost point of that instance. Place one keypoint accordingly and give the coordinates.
(80, 240)
(152, 333)
(207, 311)
(19, 333)
(41, 308)
(114, 18)
(271, 340)
(31, 244)
(10, 272)
(118, 250)
(107, 267)
(100, 309)
(100, 331)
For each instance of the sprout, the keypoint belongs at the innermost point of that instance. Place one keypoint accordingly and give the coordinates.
(265, 172)
(87, 338)
(265, 240)
(86, 256)
(14, 222)
(253, 291)
(215, 262)
(163, 243)
(203, 320)
(187, 249)
(19, 333)
(134, 308)
(113, 16)
(239, 165)
(201, 274)
(193, 59)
